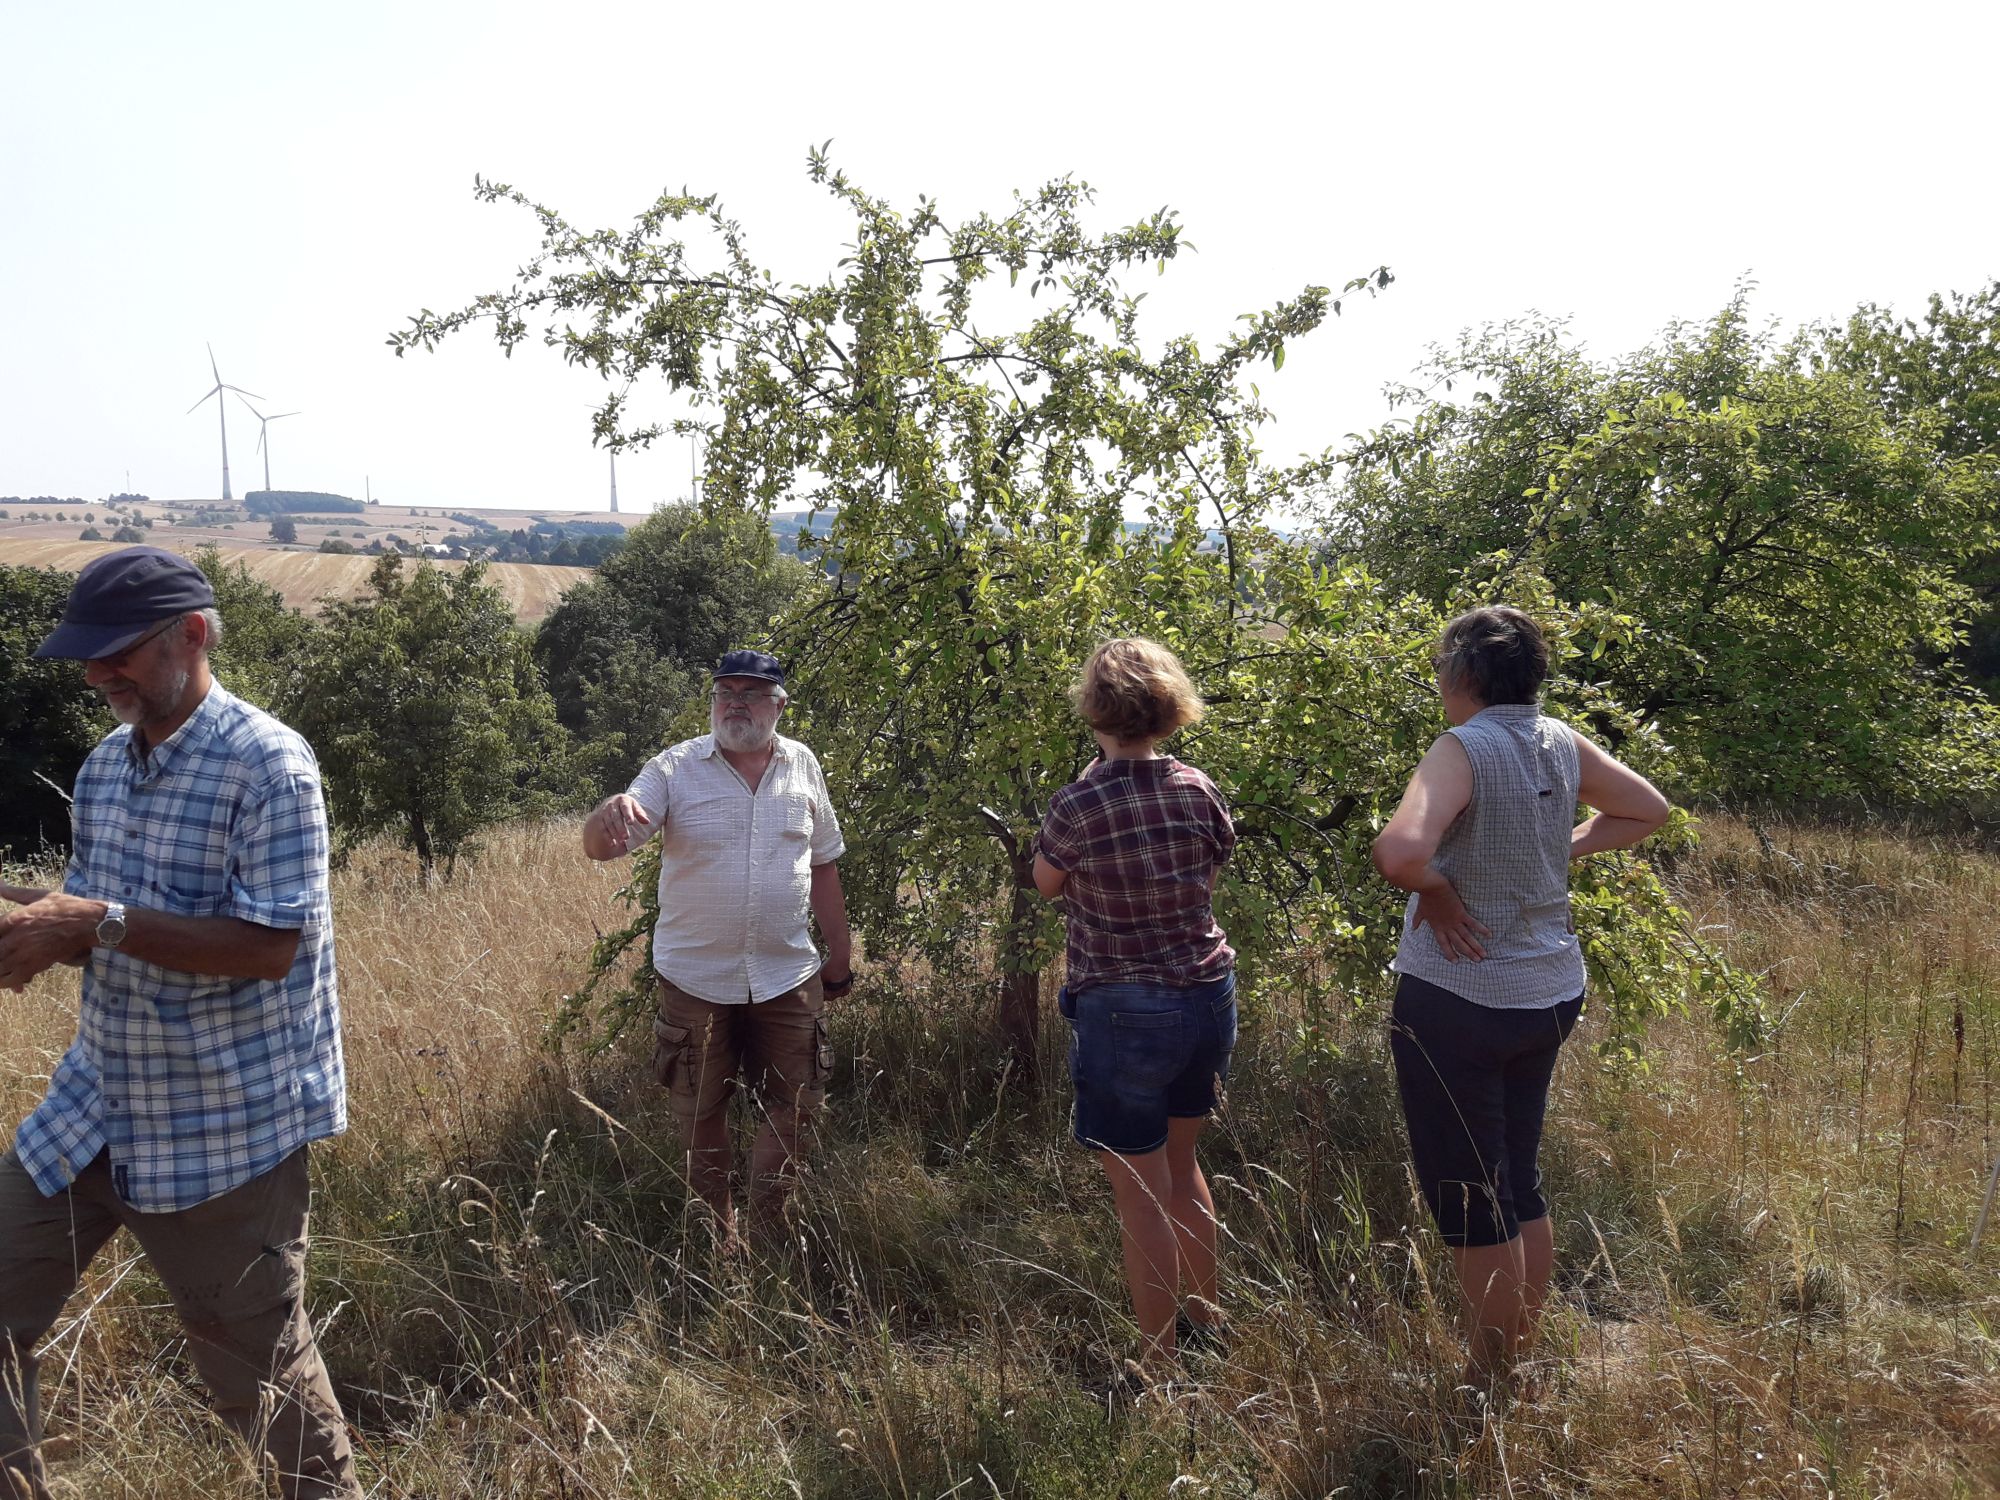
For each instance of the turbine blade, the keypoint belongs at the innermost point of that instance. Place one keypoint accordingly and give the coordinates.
(211, 364)
(285, 414)
(241, 392)
(204, 398)
(253, 410)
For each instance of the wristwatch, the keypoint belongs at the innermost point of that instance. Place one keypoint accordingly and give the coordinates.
(111, 931)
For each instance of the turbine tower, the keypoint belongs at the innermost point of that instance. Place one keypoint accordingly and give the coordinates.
(263, 430)
(217, 393)
(613, 452)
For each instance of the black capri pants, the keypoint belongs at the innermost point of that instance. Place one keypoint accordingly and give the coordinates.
(1475, 1086)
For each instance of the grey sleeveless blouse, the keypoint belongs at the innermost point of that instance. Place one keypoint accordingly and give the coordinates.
(1507, 855)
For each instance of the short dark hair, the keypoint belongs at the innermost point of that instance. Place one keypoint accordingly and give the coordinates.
(1497, 654)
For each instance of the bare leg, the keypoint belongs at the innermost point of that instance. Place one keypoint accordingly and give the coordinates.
(1490, 1283)
(774, 1171)
(708, 1171)
(1194, 1222)
(1538, 1250)
(1143, 1187)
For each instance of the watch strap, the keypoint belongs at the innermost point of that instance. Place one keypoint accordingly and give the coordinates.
(111, 930)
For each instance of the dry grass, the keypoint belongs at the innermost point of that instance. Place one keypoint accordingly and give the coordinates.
(1765, 1284)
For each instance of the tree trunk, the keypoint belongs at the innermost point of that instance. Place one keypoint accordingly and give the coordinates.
(420, 840)
(1020, 984)
(1019, 1011)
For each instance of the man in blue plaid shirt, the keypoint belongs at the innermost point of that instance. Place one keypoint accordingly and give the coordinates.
(207, 1052)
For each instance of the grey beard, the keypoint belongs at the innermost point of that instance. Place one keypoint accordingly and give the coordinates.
(145, 708)
(743, 738)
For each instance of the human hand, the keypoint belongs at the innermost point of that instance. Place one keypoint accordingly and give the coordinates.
(835, 989)
(21, 895)
(1457, 931)
(621, 819)
(53, 929)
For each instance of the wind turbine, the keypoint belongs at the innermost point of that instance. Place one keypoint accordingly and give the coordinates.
(614, 468)
(217, 393)
(263, 431)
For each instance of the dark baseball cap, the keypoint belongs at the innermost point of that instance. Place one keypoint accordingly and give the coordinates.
(750, 664)
(120, 596)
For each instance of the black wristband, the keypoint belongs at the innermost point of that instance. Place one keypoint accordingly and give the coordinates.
(832, 985)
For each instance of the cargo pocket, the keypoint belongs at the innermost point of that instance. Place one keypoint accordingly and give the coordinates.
(670, 1050)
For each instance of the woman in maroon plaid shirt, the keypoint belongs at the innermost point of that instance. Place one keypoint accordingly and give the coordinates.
(1133, 849)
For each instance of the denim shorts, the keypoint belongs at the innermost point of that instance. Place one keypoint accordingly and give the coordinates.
(1145, 1053)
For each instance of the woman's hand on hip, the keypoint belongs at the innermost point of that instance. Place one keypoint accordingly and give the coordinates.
(1457, 931)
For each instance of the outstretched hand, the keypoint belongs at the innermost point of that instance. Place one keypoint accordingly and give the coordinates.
(623, 821)
(1457, 931)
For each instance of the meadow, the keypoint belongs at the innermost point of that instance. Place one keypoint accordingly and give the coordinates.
(1765, 1282)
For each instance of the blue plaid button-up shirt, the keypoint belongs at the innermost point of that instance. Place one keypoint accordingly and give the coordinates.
(194, 1083)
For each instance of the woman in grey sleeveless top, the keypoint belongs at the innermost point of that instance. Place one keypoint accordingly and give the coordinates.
(1491, 972)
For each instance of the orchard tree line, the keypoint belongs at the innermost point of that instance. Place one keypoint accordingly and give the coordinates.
(1767, 563)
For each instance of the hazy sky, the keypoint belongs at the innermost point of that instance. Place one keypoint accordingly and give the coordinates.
(291, 182)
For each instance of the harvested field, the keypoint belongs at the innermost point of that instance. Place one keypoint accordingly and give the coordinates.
(306, 578)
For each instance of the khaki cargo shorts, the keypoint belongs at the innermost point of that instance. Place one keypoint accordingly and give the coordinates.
(778, 1045)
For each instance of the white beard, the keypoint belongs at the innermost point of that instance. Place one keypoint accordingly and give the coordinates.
(743, 736)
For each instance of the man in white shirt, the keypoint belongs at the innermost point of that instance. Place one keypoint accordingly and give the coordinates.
(748, 848)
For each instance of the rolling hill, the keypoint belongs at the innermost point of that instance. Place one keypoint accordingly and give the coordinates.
(305, 578)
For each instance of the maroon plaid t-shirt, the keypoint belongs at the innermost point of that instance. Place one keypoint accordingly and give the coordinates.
(1140, 840)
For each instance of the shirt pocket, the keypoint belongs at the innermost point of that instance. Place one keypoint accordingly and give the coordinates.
(796, 824)
(177, 900)
(706, 823)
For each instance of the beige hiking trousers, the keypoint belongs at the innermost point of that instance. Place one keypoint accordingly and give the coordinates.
(235, 1268)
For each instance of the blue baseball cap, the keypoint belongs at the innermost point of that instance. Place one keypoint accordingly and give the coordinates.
(120, 596)
(750, 664)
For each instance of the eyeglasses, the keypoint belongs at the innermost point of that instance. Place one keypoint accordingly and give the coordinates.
(118, 659)
(732, 695)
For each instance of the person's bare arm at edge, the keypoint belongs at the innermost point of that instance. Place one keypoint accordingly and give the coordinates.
(615, 827)
(1627, 807)
(1439, 790)
(55, 928)
(829, 909)
(1048, 879)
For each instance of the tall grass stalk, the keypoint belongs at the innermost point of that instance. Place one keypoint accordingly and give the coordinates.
(1756, 1294)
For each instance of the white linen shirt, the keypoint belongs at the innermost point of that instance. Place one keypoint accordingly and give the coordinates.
(736, 868)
